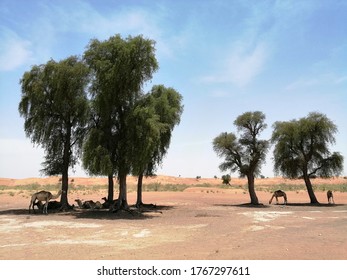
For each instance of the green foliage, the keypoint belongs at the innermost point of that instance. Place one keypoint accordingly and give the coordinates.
(226, 179)
(245, 154)
(302, 147)
(120, 67)
(54, 106)
(155, 116)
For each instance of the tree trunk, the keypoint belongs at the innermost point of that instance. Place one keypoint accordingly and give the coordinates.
(310, 189)
(139, 191)
(122, 202)
(251, 189)
(64, 188)
(110, 187)
(65, 172)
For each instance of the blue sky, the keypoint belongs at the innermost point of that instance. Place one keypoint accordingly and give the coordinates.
(227, 57)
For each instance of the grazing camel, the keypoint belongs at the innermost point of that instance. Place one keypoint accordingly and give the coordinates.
(278, 194)
(42, 196)
(330, 197)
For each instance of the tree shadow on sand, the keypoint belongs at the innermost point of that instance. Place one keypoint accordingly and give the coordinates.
(314, 204)
(102, 214)
(264, 206)
(245, 205)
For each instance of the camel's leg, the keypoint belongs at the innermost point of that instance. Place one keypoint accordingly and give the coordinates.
(276, 200)
(32, 201)
(30, 206)
(271, 199)
(45, 207)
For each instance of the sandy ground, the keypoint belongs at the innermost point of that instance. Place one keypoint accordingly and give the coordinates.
(199, 223)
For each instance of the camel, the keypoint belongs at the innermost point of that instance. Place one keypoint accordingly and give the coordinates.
(51, 205)
(330, 197)
(42, 196)
(278, 194)
(89, 204)
(107, 204)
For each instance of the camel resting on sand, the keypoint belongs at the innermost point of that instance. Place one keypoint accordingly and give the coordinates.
(42, 196)
(51, 205)
(89, 204)
(108, 204)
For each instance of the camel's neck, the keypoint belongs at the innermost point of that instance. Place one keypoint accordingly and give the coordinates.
(56, 196)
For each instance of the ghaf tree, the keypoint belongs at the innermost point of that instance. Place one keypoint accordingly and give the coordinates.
(55, 108)
(119, 69)
(246, 153)
(154, 119)
(302, 149)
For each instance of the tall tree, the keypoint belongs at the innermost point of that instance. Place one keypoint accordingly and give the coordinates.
(55, 108)
(302, 149)
(120, 67)
(156, 115)
(246, 153)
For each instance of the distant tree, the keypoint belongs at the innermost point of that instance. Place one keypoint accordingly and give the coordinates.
(226, 179)
(246, 153)
(302, 149)
(153, 121)
(55, 107)
(119, 67)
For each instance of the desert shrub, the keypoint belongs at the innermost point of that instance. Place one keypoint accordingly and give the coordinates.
(226, 179)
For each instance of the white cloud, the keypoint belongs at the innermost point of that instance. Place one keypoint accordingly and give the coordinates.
(302, 83)
(14, 51)
(81, 18)
(245, 64)
(320, 80)
(87, 20)
(241, 65)
(341, 79)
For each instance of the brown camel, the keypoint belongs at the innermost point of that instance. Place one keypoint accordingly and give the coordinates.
(43, 196)
(108, 204)
(51, 205)
(278, 194)
(330, 197)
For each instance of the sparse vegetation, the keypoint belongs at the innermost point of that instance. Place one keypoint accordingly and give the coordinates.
(178, 187)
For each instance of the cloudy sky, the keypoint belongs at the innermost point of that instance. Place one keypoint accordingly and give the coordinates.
(227, 57)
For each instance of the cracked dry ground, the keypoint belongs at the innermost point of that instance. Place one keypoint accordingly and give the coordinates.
(195, 224)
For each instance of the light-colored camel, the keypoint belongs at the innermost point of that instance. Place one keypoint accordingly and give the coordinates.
(278, 194)
(89, 204)
(330, 197)
(42, 196)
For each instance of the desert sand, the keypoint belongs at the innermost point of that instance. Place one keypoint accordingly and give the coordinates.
(204, 222)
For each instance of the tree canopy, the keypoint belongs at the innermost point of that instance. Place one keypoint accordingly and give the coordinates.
(302, 149)
(245, 154)
(55, 108)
